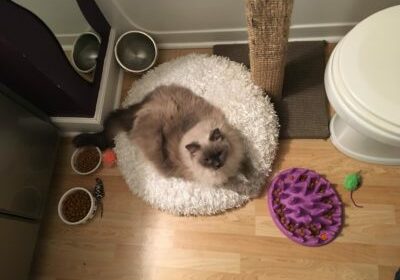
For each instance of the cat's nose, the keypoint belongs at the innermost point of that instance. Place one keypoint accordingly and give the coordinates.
(217, 164)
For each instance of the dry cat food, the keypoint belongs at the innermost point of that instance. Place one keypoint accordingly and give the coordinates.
(87, 160)
(305, 206)
(76, 206)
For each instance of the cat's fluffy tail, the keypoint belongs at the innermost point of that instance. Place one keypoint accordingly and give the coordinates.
(118, 120)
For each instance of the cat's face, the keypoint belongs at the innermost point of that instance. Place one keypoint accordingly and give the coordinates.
(212, 152)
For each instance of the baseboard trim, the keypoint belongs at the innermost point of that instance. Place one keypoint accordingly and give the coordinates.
(321, 30)
(331, 32)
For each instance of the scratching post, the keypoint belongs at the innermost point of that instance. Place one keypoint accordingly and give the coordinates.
(268, 24)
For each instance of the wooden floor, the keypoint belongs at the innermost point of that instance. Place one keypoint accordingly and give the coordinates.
(134, 241)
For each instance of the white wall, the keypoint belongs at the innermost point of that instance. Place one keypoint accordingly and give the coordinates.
(186, 23)
(337, 11)
(180, 23)
(63, 17)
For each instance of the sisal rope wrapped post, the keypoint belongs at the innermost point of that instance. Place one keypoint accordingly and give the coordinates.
(268, 23)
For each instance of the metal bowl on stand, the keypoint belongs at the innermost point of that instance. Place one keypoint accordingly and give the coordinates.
(85, 51)
(136, 51)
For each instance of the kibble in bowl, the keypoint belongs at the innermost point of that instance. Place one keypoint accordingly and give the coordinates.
(86, 160)
(76, 206)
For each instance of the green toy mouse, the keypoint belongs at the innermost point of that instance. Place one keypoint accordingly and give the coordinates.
(352, 182)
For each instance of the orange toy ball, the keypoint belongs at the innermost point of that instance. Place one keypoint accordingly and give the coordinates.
(109, 158)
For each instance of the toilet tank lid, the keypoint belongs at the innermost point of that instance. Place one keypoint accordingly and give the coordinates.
(369, 63)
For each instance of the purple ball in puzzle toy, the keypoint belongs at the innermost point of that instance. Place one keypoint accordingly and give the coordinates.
(305, 207)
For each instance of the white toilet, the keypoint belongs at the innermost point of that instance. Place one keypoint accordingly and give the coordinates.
(362, 81)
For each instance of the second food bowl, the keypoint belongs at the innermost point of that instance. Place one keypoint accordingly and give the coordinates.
(86, 160)
(77, 206)
(85, 51)
(136, 51)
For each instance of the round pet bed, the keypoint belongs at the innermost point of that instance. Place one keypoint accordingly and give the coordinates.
(227, 85)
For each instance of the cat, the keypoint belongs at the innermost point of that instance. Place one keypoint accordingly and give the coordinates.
(180, 133)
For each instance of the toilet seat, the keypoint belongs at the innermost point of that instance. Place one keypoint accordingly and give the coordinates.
(362, 81)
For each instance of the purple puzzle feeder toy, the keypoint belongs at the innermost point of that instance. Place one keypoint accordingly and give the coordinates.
(305, 207)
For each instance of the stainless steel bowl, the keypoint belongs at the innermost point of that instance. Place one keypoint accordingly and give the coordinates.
(85, 51)
(136, 51)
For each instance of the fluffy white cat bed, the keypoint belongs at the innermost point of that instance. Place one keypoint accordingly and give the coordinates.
(227, 85)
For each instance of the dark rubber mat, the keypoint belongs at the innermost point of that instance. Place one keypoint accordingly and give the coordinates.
(303, 111)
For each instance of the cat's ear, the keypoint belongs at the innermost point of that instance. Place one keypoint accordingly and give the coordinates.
(215, 135)
(193, 147)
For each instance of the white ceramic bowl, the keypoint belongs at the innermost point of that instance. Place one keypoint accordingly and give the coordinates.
(89, 215)
(75, 156)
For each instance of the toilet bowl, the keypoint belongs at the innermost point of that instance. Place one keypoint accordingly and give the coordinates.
(362, 81)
